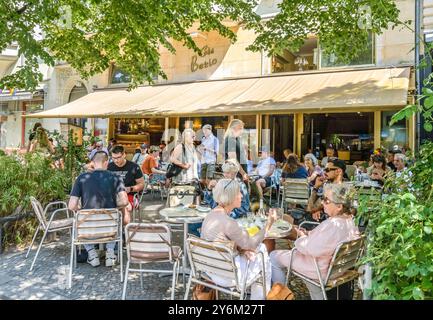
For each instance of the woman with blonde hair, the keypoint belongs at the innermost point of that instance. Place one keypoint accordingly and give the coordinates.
(185, 156)
(218, 226)
(234, 147)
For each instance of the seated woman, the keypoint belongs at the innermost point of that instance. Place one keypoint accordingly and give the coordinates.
(321, 242)
(293, 169)
(230, 170)
(379, 162)
(219, 226)
(313, 169)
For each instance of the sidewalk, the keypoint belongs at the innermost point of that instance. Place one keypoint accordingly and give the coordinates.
(48, 280)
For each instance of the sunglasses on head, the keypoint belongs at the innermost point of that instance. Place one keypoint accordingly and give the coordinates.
(326, 200)
(330, 169)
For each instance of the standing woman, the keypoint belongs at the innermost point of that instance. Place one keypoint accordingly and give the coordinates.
(185, 156)
(234, 147)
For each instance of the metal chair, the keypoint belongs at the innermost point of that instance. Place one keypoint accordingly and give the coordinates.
(96, 226)
(295, 191)
(350, 171)
(48, 226)
(181, 194)
(342, 267)
(150, 243)
(218, 259)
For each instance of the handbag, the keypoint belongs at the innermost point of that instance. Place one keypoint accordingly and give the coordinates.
(200, 292)
(280, 292)
(174, 170)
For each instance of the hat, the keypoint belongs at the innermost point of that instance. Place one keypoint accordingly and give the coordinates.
(154, 148)
(338, 163)
(144, 146)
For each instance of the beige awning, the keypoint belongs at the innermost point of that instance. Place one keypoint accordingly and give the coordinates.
(308, 92)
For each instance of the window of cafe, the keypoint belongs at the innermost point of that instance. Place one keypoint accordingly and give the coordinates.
(119, 75)
(131, 132)
(280, 134)
(397, 134)
(351, 133)
(304, 59)
(366, 57)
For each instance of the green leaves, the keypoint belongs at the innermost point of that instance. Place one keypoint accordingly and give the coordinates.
(400, 229)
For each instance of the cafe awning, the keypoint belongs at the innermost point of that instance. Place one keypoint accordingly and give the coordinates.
(348, 90)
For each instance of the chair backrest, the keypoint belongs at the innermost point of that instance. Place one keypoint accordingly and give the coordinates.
(369, 194)
(185, 195)
(296, 188)
(345, 257)
(148, 242)
(97, 224)
(39, 212)
(350, 171)
(213, 258)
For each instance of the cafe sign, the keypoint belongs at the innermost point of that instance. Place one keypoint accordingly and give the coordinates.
(209, 61)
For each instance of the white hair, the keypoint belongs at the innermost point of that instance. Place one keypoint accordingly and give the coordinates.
(226, 191)
(230, 166)
(312, 157)
(400, 156)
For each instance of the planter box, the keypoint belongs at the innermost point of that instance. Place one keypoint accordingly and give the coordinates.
(344, 155)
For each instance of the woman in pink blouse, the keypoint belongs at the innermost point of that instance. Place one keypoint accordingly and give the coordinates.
(320, 242)
(219, 226)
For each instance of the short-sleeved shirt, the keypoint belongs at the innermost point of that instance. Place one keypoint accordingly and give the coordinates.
(129, 172)
(97, 189)
(264, 166)
(234, 145)
(300, 173)
(149, 163)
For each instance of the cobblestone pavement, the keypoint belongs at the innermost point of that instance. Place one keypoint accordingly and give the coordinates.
(48, 280)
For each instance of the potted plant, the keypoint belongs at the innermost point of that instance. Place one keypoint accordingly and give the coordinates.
(343, 152)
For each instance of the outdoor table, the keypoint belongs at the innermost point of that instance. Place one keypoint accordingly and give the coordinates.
(184, 215)
(280, 228)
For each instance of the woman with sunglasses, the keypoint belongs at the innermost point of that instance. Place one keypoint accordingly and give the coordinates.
(219, 226)
(321, 242)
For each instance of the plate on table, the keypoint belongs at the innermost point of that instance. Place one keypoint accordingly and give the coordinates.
(203, 209)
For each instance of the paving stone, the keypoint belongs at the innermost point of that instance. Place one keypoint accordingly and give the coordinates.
(48, 280)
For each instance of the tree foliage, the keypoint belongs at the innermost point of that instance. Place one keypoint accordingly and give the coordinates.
(92, 34)
(400, 229)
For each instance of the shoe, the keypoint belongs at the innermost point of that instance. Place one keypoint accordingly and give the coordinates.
(110, 258)
(93, 258)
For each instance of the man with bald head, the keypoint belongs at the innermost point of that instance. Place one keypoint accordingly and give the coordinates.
(99, 189)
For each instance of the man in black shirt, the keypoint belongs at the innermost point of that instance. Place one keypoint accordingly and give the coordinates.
(99, 189)
(131, 175)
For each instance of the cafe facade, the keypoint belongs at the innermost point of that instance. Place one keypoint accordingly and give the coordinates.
(299, 100)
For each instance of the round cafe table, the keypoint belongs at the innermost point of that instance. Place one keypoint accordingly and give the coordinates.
(185, 216)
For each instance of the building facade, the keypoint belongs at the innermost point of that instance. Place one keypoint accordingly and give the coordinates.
(305, 121)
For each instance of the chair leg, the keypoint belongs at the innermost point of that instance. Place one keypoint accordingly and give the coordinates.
(125, 283)
(71, 265)
(39, 249)
(173, 282)
(33, 240)
(120, 254)
(187, 288)
(141, 278)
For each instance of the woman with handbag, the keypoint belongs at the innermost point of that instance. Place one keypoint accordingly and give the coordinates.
(185, 157)
(219, 226)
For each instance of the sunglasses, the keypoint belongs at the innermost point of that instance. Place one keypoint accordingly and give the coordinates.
(330, 169)
(326, 200)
